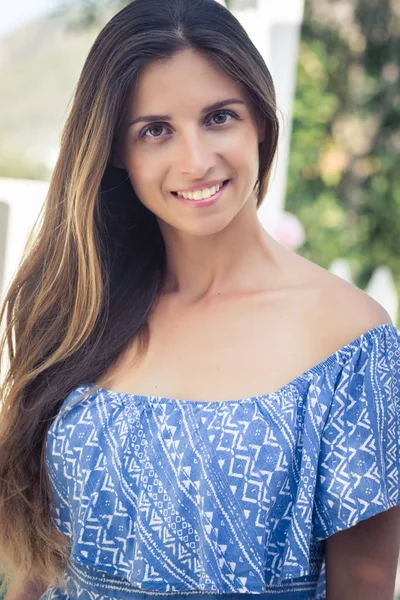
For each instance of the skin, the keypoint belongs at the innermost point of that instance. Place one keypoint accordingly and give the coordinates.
(206, 247)
(361, 561)
(225, 272)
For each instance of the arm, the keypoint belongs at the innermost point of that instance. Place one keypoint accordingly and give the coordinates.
(361, 561)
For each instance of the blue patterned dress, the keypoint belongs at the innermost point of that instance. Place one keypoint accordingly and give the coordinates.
(163, 497)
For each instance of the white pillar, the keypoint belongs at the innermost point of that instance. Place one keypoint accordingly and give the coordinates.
(382, 288)
(23, 200)
(274, 28)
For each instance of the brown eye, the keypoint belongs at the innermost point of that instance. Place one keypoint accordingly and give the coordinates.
(152, 128)
(218, 117)
(224, 114)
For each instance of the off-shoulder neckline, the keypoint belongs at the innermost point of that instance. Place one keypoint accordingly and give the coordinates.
(305, 376)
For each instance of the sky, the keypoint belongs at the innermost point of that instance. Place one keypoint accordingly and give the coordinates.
(17, 13)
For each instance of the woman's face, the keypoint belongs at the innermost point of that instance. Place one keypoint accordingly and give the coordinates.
(175, 142)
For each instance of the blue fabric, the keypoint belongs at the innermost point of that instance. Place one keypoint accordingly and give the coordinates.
(176, 498)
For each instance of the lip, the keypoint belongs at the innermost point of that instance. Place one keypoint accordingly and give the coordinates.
(206, 201)
(201, 186)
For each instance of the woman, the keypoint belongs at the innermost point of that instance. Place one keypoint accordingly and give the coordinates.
(190, 408)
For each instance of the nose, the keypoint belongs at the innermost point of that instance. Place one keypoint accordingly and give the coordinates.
(195, 156)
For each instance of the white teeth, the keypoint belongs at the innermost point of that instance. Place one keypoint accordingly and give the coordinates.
(201, 194)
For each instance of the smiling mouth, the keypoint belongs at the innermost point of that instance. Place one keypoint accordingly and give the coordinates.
(199, 193)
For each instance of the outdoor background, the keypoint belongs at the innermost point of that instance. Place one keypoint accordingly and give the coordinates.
(344, 176)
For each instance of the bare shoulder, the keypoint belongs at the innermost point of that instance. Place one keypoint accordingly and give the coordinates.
(341, 311)
(347, 311)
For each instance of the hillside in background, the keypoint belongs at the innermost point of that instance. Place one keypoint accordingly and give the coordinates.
(39, 69)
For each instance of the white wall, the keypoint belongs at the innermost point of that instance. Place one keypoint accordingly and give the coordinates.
(24, 199)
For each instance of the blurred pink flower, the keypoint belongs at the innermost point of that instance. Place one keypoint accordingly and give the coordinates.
(287, 229)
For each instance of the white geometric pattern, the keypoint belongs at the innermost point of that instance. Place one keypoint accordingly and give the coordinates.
(165, 497)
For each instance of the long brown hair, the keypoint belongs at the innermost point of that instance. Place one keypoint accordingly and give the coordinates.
(96, 265)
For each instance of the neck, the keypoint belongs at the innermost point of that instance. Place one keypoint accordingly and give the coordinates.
(238, 260)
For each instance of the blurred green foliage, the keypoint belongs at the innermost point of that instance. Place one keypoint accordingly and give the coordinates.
(344, 176)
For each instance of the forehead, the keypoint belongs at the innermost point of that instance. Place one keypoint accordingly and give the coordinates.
(185, 80)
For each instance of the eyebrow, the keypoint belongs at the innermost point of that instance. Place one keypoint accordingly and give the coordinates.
(215, 106)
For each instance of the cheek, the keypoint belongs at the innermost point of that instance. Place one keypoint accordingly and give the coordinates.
(146, 176)
(244, 158)
(143, 171)
(241, 146)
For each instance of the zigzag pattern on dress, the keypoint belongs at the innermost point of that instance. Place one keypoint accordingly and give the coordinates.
(167, 497)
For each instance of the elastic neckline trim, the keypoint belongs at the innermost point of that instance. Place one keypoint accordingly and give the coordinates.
(338, 357)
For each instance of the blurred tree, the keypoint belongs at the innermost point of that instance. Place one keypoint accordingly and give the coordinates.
(344, 181)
